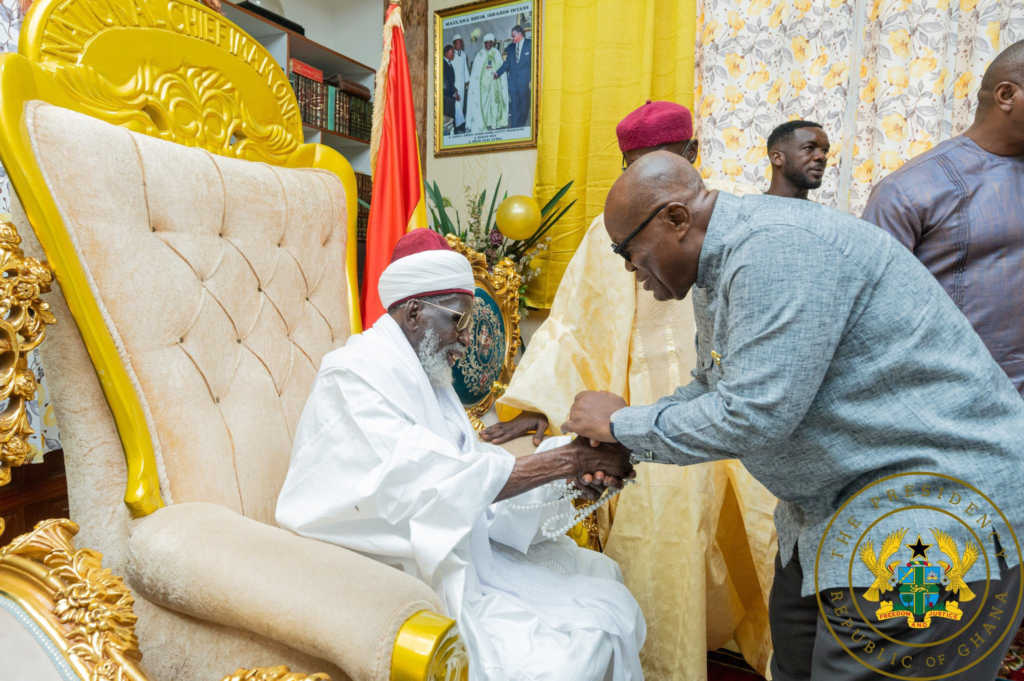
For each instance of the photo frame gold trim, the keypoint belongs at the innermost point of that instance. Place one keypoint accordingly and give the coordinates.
(534, 33)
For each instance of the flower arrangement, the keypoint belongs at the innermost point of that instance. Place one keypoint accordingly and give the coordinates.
(489, 233)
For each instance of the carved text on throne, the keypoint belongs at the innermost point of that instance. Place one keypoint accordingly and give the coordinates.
(74, 23)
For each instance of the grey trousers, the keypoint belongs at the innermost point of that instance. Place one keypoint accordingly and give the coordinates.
(806, 649)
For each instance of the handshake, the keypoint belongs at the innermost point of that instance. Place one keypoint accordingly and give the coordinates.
(595, 460)
(598, 465)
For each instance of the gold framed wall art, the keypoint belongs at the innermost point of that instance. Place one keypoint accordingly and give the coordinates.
(486, 76)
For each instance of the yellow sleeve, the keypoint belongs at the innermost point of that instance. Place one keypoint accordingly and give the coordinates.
(584, 342)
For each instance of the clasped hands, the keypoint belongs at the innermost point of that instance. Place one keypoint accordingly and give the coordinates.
(601, 461)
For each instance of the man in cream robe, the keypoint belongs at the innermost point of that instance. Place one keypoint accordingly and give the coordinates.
(696, 545)
(487, 105)
(386, 463)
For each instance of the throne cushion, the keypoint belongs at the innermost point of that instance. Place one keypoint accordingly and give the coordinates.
(222, 283)
(308, 593)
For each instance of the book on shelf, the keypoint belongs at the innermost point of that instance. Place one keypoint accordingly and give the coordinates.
(324, 106)
(332, 93)
(350, 86)
(307, 71)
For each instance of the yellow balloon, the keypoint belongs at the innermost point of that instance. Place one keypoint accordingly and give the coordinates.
(518, 217)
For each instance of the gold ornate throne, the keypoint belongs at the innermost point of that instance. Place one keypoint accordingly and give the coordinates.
(482, 376)
(204, 260)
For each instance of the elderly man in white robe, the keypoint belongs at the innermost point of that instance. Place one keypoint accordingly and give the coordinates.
(487, 103)
(386, 463)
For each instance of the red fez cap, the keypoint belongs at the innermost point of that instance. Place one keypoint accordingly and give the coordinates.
(418, 241)
(654, 123)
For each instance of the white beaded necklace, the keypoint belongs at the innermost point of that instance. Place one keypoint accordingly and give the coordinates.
(568, 492)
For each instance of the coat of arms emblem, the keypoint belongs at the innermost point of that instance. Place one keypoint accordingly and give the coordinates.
(919, 583)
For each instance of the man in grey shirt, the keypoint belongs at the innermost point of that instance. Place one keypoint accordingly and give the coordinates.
(960, 208)
(833, 365)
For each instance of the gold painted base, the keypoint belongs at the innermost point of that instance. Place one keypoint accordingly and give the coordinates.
(428, 648)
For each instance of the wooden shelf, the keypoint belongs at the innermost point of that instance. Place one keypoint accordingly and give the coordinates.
(326, 59)
(298, 46)
(343, 139)
(284, 45)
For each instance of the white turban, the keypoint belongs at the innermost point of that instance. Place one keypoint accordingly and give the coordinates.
(489, 36)
(426, 273)
(456, 37)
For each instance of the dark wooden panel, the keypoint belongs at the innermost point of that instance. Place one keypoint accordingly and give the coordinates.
(36, 492)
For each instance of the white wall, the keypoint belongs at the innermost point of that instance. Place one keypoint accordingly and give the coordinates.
(476, 171)
(351, 27)
(313, 15)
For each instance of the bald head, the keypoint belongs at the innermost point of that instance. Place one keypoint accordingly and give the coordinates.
(1007, 67)
(657, 213)
(653, 179)
(999, 123)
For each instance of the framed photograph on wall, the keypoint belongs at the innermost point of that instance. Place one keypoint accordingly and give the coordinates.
(486, 76)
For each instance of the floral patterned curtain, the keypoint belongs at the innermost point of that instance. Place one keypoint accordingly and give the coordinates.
(887, 79)
(922, 66)
(45, 437)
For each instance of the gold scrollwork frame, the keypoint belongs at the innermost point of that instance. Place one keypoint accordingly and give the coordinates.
(23, 320)
(171, 69)
(83, 608)
(86, 610)
(503, 284)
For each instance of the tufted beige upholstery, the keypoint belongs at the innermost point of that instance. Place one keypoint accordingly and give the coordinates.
(222, 282)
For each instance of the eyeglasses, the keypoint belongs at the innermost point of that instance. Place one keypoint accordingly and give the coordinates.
(464, 317)
(620, 247)
(660, 148)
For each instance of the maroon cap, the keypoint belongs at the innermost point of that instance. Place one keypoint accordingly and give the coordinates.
(417, 241)
(654, 123)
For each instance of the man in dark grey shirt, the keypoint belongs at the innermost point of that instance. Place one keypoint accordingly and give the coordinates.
(960, 208)
(833, 365)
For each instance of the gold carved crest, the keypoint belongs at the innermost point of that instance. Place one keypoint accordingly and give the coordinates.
(23, 320)
(179, 95)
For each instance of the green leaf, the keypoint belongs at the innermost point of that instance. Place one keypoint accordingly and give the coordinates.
(528, 244)
(438, 225)
(494, 197)
(557, 197)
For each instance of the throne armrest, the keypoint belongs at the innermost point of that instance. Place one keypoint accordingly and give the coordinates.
(209, 562)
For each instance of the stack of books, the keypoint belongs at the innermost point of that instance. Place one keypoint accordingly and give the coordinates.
(310, 92)
(324, 105)
(360, 118)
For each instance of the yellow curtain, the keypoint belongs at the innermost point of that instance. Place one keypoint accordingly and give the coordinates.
(601, 59)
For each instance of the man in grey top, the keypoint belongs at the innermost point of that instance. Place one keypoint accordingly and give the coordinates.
(960, 208)
(830, 361)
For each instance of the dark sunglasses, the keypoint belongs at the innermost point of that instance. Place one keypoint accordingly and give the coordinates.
(620, 248)
(464, 317)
